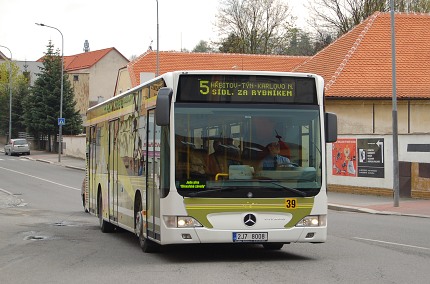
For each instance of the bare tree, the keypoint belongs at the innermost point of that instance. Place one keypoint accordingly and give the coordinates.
(418, 6)
(340, 16)
(257, 26)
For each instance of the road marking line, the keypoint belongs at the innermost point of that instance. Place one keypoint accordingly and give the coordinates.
(391, 243)
(56, 183)
(5, 191)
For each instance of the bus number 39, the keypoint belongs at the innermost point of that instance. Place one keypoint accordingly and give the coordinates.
(290, 203)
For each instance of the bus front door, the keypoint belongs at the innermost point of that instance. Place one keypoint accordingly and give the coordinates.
(153, 178)
(113, 170)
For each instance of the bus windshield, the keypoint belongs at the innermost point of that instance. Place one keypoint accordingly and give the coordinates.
(239, 151)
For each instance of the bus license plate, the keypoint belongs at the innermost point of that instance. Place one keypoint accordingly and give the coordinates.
(250, 237)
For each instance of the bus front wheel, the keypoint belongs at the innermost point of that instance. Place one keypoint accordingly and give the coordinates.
(145, 244)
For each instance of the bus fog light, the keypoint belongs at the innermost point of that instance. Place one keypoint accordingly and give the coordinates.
(309, 235)
(180, 222)
(312, 221)
(186, 236)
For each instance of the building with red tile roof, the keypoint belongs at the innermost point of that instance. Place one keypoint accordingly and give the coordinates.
(358, 64)
(171, 61)
(93, 75)
(357, 69)
(87, 59)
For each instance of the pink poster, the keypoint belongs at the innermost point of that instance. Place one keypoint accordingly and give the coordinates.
(344, 157)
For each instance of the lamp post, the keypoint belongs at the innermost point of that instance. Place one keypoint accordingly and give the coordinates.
(60, 120)
(396, 187)
(10, 92)
(158, 45)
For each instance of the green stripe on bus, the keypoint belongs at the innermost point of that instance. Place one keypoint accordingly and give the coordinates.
(200, 208)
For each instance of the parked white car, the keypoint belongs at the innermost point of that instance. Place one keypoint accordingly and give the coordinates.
(17, 147)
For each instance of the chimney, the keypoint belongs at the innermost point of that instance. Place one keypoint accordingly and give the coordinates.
(86, 46)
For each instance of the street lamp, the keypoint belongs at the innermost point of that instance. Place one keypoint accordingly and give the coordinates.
(158, 45)
(10, 92)
(396, 187)
(60, 120)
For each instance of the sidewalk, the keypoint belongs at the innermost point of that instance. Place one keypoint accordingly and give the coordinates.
(52, 158)
(337, 201)
(378, 205)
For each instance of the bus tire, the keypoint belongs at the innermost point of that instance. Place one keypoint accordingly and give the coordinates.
(273, 246)
(145, 244)
(105, 226)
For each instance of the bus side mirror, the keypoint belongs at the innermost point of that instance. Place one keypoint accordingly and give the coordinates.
(330, 127)
(162, 112)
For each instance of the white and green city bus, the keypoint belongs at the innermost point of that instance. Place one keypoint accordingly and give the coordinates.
(180, 159)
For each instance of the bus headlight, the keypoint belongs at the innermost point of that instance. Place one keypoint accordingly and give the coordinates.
(313, 221)
(181, 222)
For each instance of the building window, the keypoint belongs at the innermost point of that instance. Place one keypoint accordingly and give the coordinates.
(75, 78)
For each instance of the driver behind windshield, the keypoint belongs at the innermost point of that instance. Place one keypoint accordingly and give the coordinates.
(273, 158)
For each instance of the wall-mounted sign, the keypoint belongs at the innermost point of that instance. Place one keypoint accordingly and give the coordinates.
(371, 157)
(344, 157)
(358, 157)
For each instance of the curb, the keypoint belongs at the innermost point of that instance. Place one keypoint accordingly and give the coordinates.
(75, 168)
(39, 160)
(55, 163)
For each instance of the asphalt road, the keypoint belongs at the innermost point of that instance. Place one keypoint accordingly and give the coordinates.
(49, 239)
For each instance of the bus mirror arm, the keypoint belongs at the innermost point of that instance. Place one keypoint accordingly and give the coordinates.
(162, 113)
(330, 127)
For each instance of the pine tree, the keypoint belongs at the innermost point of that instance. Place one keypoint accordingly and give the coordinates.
(42, 107)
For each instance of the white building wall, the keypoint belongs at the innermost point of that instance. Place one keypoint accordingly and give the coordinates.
(387, 181)
(74, 146)
(103, 76)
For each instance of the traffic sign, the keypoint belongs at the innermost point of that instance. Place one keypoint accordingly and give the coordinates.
(61, 121)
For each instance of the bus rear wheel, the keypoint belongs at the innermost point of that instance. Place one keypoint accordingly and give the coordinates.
(145, 244)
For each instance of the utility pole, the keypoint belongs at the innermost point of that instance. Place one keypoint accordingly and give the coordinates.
(394, 112)
(158, 45)
(61, 120)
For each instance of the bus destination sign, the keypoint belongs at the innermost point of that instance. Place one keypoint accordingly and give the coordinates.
(246, 88)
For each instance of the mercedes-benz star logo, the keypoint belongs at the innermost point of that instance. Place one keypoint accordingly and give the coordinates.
(250, 220)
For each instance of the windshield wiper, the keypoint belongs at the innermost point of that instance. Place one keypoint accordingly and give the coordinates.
(233, 188)
(213, 189)
(286, 188)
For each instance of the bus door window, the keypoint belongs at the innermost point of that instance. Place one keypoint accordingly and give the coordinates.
(92, 165)
(113, 169)
(153, 176)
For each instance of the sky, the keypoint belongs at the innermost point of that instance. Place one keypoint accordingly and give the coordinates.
(128, 25)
